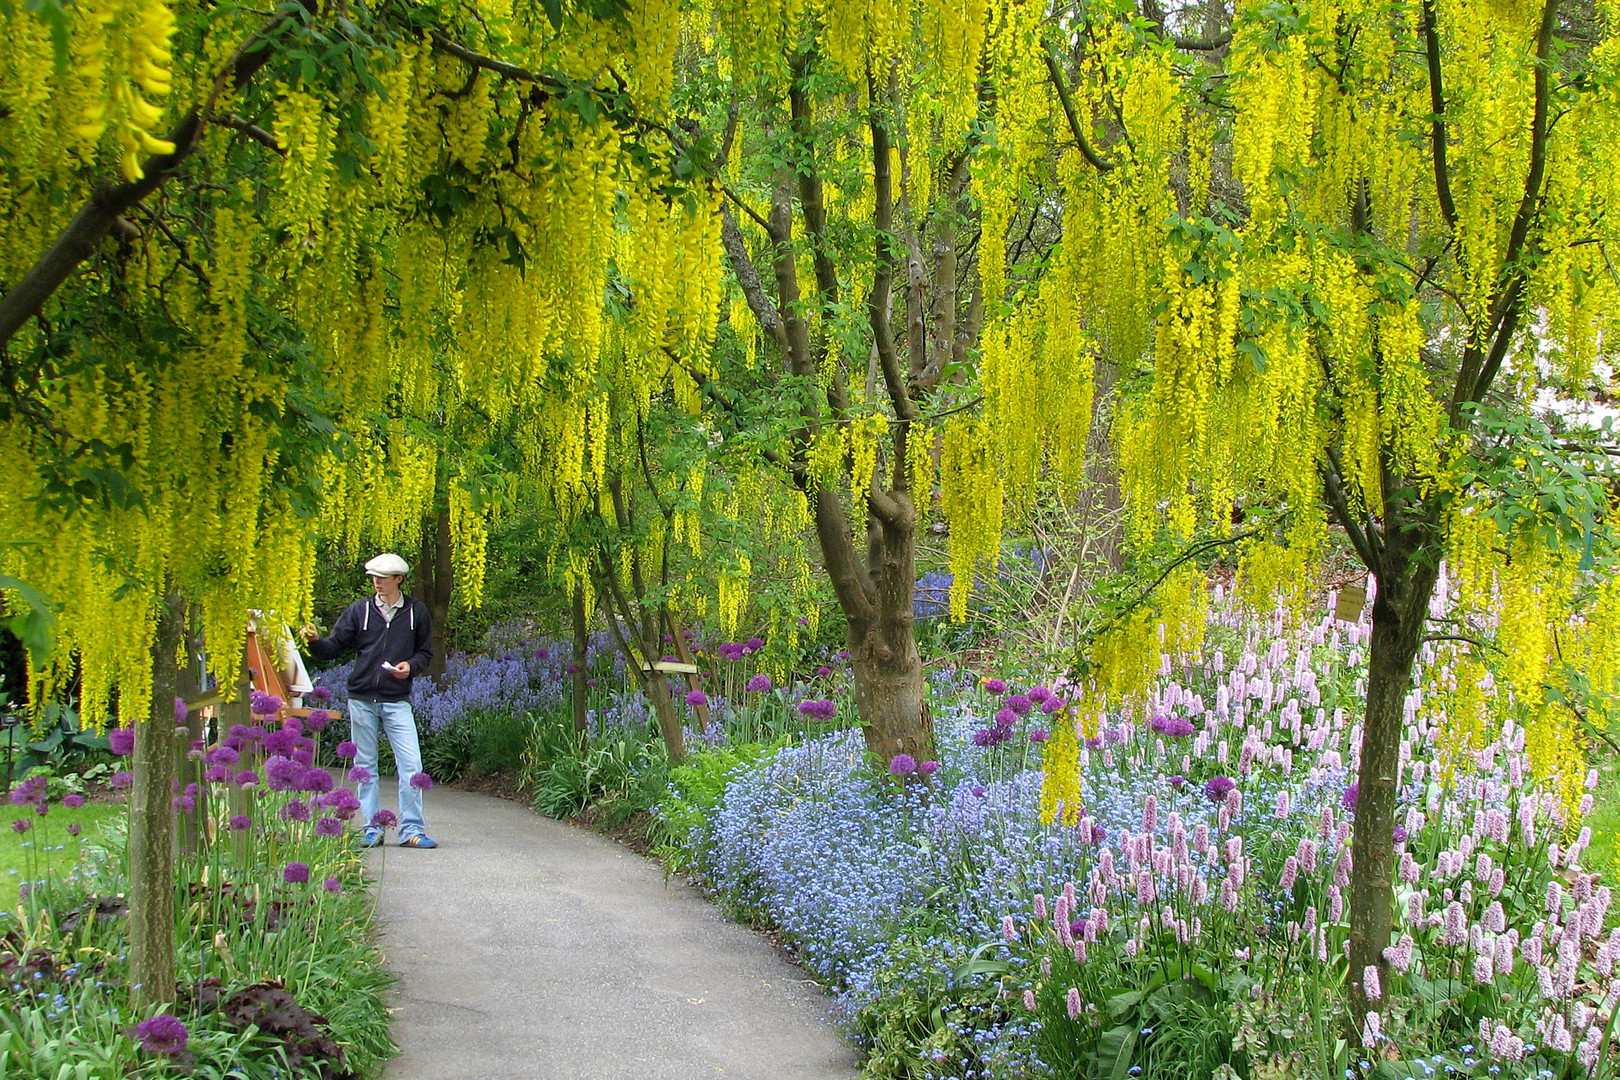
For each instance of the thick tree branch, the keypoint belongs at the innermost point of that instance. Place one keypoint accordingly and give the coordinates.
(1333, 482)
(252, 131)
(747, 274)
(1437, 122)
(1478, 370)
(1067, 100)
(108, 202)
(877, 305)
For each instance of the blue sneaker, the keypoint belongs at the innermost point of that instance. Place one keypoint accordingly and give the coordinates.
(420, 840)
(372, 837)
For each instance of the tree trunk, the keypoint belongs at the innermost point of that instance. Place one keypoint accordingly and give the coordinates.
(657, 687)
(890, 690)
(435, 578)
(151, 825)
(581, 640)
(1399, 614)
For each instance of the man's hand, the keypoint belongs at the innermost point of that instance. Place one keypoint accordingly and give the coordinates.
(401, 671)
(308, 633)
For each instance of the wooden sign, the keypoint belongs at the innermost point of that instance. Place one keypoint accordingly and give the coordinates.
(670, 667)
(1352, 598)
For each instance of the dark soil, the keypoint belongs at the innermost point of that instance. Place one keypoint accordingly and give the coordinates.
(502, 783)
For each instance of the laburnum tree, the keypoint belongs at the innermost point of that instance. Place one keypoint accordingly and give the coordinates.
(1340, 248)
(875, 159)
(247, 256)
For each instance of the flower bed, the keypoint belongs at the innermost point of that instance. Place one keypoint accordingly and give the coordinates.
(277, 972)
(1168, 896)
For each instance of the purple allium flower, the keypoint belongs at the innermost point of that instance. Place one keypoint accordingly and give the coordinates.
(421, 781)
(266, 704)
(1178, 781)
(223, 755)
(121, 779)
(295, 873)
(297, 810)
(1351, 795)
(332, 885)
(902, 765)
(21, 825)
(247, 778)
(320, 695)
(1094, 743)
(241, 823)
(317, 720)
(1037, 694)
(218, 774)
(317, 780)
(843, 654)
(31, 792)
(121, 741)
(995, 686)
(360, 774)
(1217, 787)
(1053, 704)
(342, 802)
(1020, 705)
(328, 826)
(1006, 717)
(1400, 835)
(977, 791)
(185, 804)
(281, 742)
(1039, 735)
(823, 671)
(162, 1034)
(753, 644)
(384, 819)
(346, 749)
(696, 698)
(282, 774)
(180, 710)
(928, 768)
(570, 669)
(759, 684)
(73, 828)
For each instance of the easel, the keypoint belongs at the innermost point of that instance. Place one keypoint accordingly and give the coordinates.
(262, 672)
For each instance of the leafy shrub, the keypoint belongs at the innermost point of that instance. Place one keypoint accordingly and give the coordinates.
(566, 772)
(476, 743)
(691, 798)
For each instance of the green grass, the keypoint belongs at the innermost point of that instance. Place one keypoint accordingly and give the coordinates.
(52, 850)
(1603, 856)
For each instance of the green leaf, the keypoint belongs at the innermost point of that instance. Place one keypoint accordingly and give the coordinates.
(1112, 1059)
(35, 625)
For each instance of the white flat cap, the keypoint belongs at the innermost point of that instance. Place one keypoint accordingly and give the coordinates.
(387, 565)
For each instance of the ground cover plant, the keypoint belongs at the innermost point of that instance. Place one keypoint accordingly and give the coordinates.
(1166, 894)
(278, 975)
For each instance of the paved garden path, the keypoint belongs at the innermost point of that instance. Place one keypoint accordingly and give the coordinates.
(526, 948)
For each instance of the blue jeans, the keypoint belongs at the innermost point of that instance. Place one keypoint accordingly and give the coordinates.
(399, 724)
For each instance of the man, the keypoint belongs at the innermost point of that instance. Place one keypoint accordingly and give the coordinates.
(391, 635)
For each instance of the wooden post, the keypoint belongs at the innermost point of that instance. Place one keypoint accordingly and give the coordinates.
(152, 826)
(694, 681)
(581, 641)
